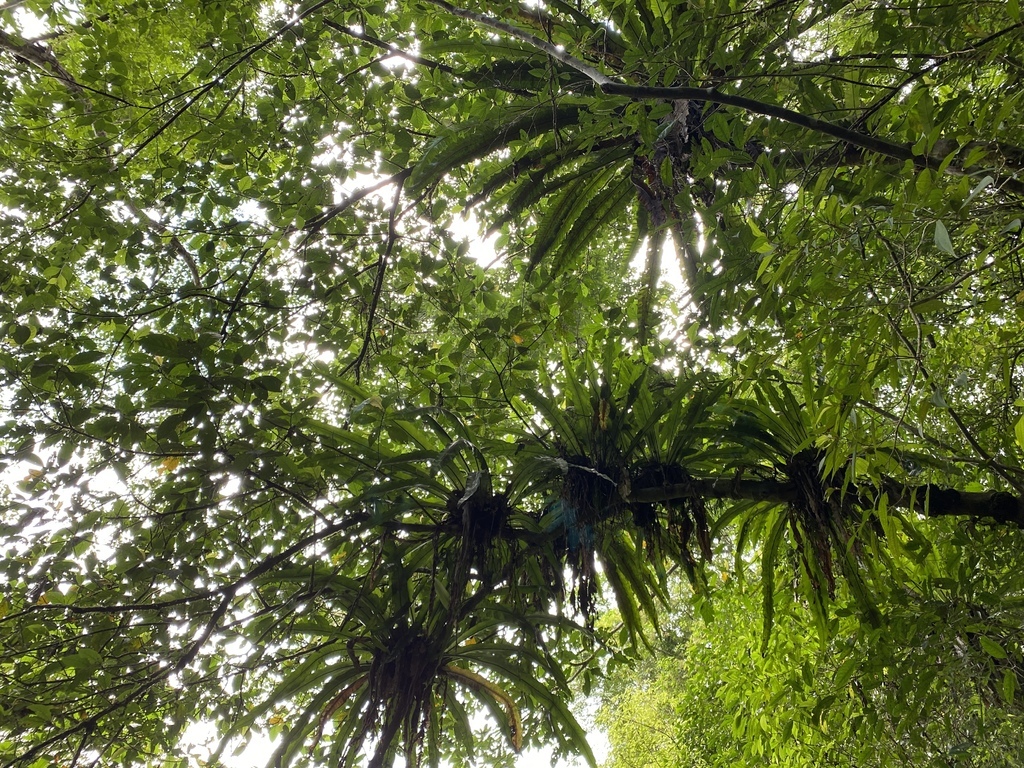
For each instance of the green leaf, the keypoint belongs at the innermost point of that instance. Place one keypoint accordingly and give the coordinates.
(564, 213)
(468, 142)
(160, 344)
(942, 241)
(769, 554)
(1009, 686)
(991, 647)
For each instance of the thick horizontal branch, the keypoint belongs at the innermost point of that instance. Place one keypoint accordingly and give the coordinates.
(928, 500)
(936, 501)
(714, 96)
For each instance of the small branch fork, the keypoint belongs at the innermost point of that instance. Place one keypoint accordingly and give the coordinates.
(384, 46)
(316, 223)
(242, 59)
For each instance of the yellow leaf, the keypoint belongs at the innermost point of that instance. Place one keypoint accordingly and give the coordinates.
(337, 703)
(517, 338)
(481, 685)
(275, 720)
(169, 464)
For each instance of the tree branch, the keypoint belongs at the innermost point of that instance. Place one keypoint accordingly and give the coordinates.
(939, 60)
(929, 500)
(613, 87)
(266, 565)
(219, 79)
(392, 49)
(39, 56)
(316, 223)
(554, 51)
(42, 57)
(378, 285)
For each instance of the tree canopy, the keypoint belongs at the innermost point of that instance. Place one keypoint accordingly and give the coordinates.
(284, 454)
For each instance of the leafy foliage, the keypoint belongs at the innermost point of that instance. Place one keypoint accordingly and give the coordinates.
(284, 455)
(930, 693)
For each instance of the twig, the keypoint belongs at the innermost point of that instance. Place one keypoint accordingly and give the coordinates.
(211, 625)
(393, 50)
(378, 285)
(43, 58)
(87, 726)
(240, 294)
(316, 223)
(939, 60)
(918, 431)
(915, 353)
